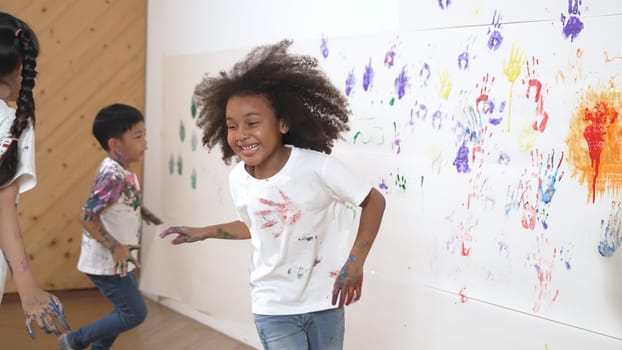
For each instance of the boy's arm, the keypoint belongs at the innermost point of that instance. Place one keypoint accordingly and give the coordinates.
(120, 252)
(230, 230)
(38, 305)
(149, 217)
(347, 287)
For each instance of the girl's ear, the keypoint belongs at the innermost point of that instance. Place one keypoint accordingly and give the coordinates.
(283, 128)
(5, 90)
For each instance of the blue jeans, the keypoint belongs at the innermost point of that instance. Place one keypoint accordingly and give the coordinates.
(321, 330)
(129, 311)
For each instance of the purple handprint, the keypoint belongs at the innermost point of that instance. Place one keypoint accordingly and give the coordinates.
(368, 76)
(324, 47)
(495, 39)
(572, 24)
(444, 4)
(350, 82)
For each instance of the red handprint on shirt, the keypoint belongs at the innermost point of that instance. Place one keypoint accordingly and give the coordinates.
(286, 213)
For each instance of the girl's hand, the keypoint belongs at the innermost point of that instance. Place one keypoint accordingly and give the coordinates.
(45, 310)
(184, 234)
(349, 282)
(121, 254)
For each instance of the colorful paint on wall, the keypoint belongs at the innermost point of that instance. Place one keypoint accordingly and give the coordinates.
(611, 231)
(594, 142)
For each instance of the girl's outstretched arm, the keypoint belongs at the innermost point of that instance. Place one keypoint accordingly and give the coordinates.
(39, 306)
(349, 282)
(230, 230)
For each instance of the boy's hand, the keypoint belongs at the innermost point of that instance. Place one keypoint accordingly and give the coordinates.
(349, 282)
(121, 254)
(184, 235)
(44, 309)
(149, 217)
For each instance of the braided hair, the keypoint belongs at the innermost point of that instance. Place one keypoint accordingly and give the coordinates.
(315, 111)
(18, 45)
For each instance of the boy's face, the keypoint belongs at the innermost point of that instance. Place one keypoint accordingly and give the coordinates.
(132, 145)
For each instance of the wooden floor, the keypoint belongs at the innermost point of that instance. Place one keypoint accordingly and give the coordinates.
(164, 329)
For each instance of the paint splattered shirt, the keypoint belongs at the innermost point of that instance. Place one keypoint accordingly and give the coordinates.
(116, 198)
(25, 168)
(302, 221)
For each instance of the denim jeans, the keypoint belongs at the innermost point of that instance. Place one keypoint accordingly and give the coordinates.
(129, 311)
(321, 330)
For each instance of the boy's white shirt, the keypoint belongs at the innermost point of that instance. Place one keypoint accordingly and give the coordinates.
(25, 174)
(120, 220)
(301, 229)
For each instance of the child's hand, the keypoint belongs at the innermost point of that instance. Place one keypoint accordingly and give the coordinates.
(44, 309)
(121, 254)
(349, 282)
(184, 235)
(149, 217)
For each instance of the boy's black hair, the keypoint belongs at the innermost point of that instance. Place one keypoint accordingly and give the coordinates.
(315, 111)
(114, 121)
(18, 44)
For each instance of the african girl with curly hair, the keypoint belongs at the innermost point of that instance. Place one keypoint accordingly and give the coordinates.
(280, 115)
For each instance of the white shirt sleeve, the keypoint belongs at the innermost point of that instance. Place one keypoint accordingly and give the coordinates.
(25, 174)
(343, 182)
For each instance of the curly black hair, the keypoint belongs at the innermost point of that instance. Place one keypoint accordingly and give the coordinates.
(300, 93)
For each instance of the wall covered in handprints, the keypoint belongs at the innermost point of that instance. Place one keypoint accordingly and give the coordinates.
(493, 130)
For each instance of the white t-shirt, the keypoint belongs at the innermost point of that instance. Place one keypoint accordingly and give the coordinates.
(25, 174)
(301, 226)
(116, 198)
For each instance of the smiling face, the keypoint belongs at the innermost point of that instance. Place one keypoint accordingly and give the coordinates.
(255, 134)
(130, 146)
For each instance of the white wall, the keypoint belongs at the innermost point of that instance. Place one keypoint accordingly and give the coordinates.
(414, 316)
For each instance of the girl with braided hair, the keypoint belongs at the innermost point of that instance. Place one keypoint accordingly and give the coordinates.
(279, 115)
(18, 52)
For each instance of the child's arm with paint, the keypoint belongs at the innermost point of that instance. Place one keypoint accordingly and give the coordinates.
(348, 285)
(149, 217)
(121, 253)
(38, 305)
(108, 188)
(230, 230)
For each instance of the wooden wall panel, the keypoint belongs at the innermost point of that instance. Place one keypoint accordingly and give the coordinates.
(92, 55)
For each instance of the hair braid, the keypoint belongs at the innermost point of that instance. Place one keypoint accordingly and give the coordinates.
(24, 49)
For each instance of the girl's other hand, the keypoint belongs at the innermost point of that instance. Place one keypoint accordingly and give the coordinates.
(45, 310)
(184, 235)
(349, 282)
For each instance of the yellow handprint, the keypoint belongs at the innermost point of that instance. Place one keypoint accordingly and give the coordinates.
(512, 68)
(446, 85)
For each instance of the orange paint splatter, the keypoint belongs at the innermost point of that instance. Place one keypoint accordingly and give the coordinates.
(595, 141)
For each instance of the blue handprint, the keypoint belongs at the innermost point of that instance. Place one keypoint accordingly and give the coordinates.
(612, 235)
